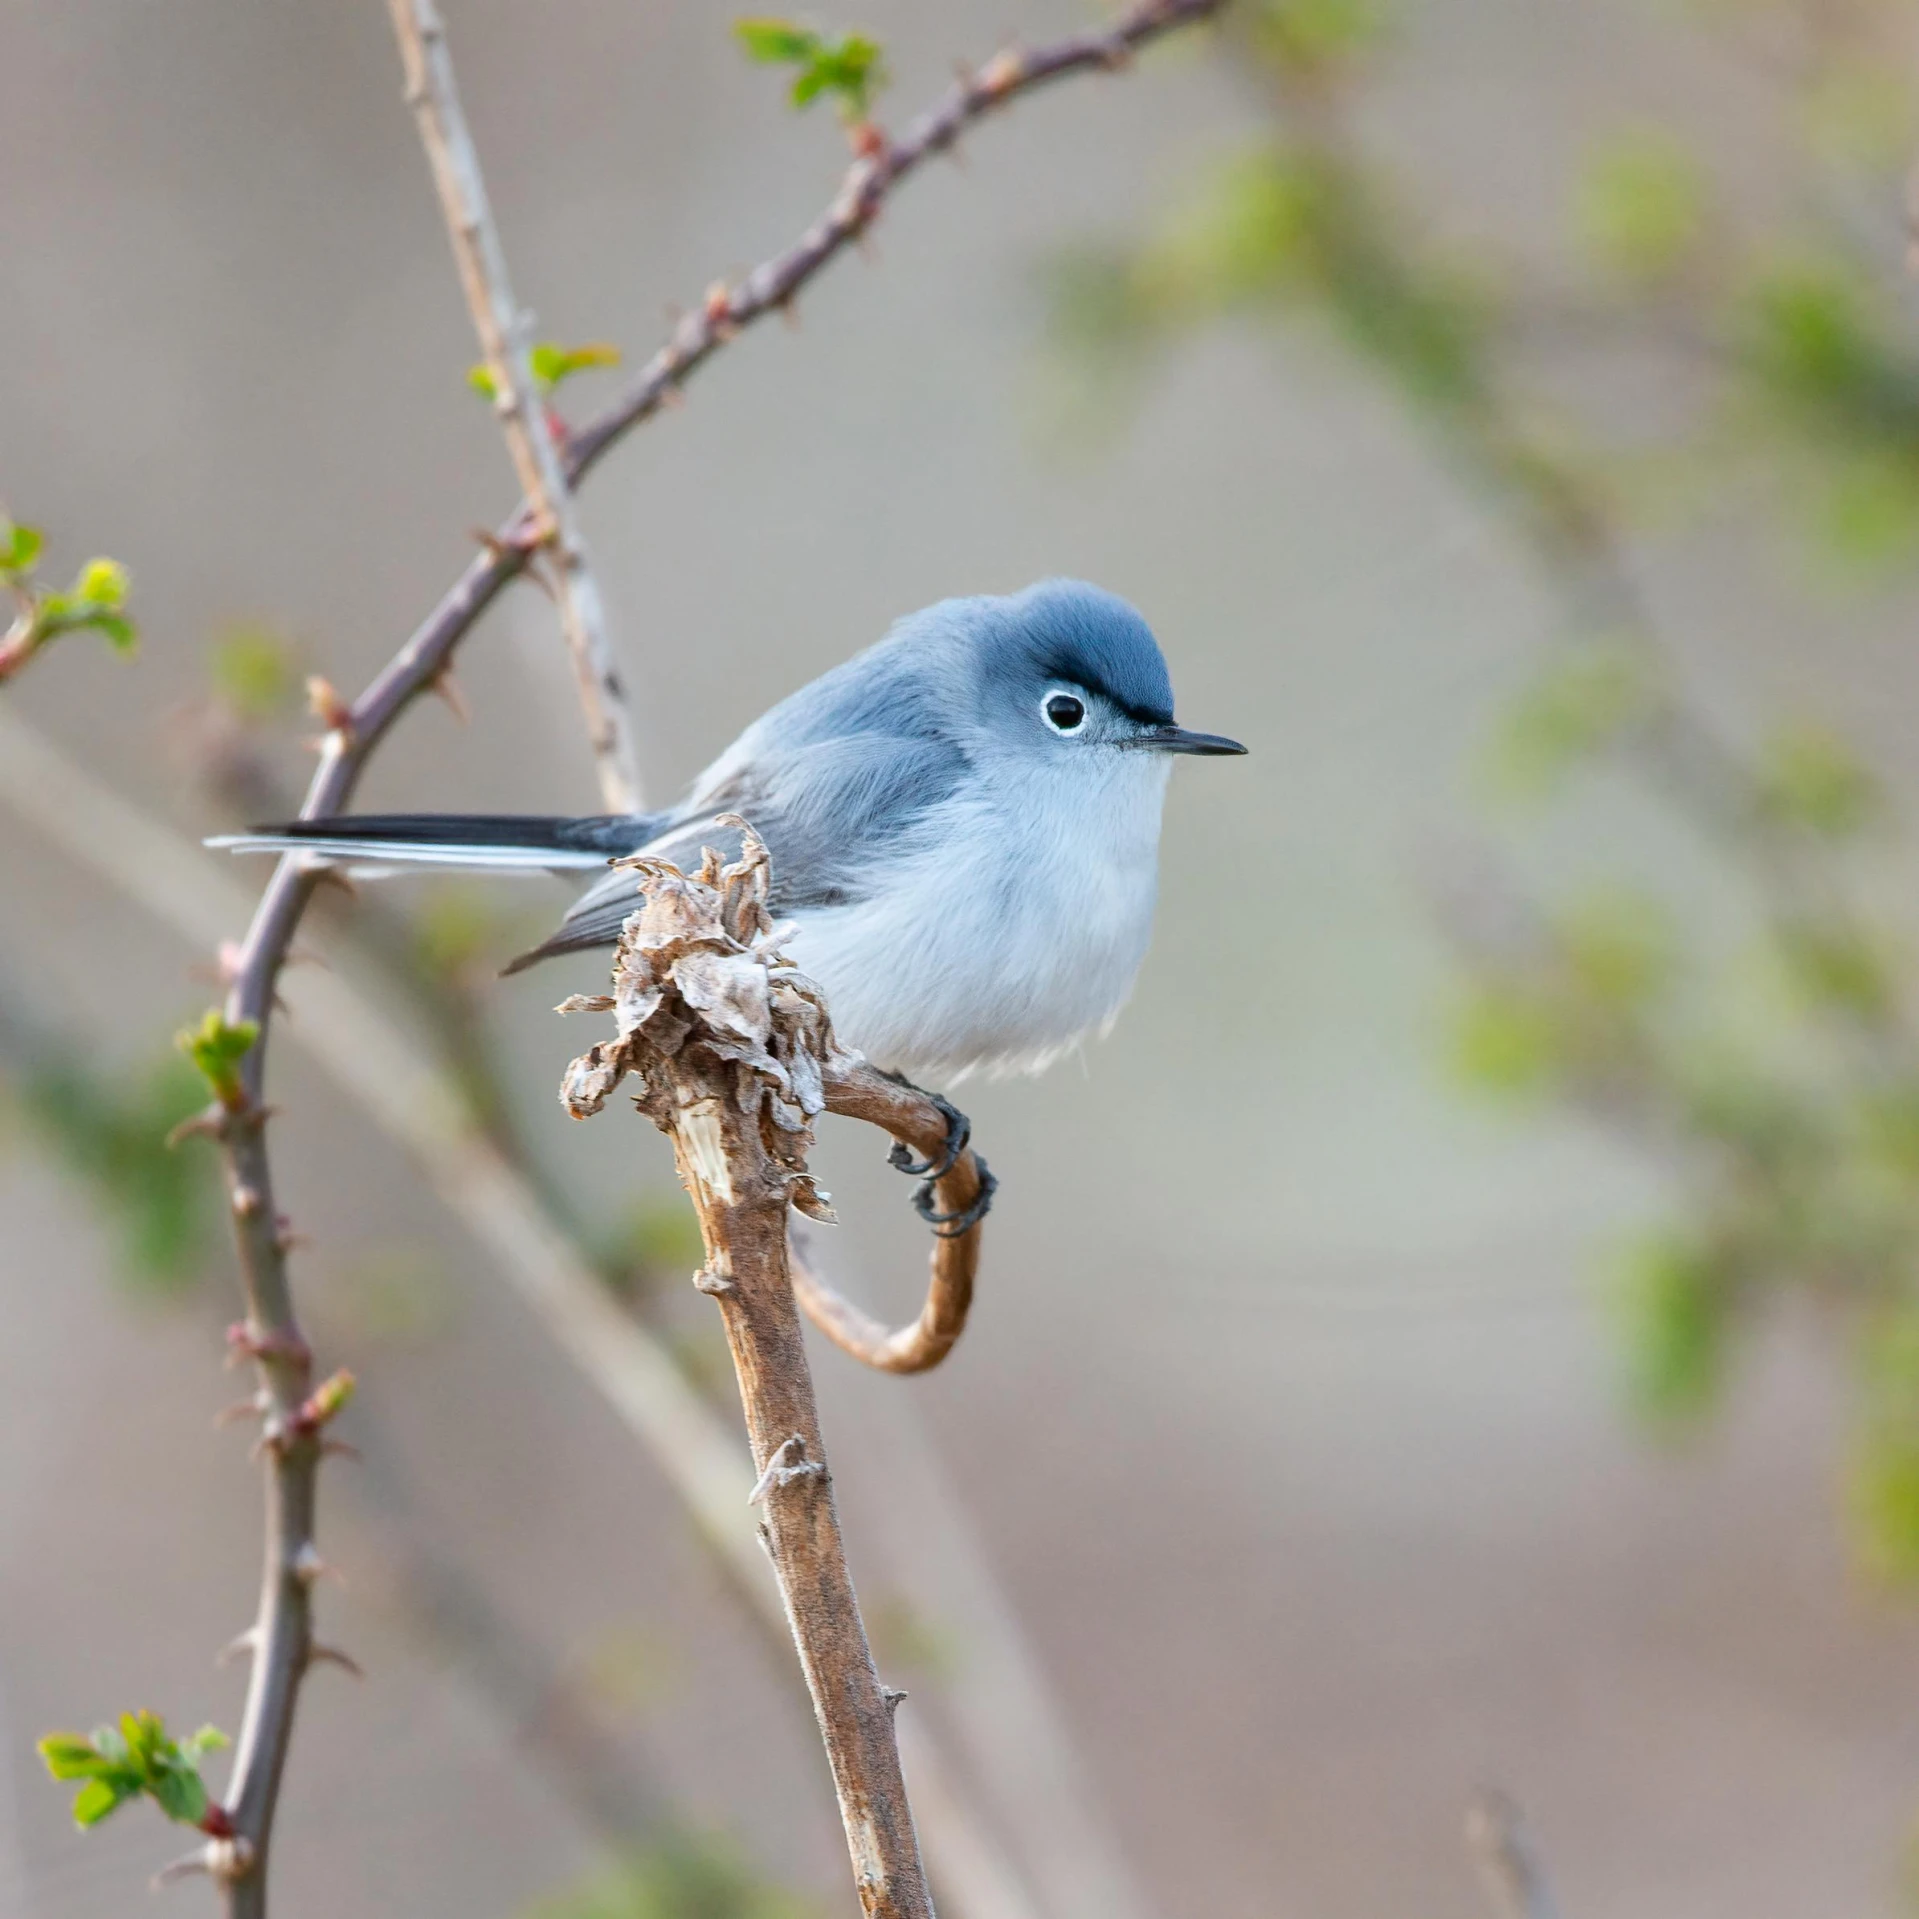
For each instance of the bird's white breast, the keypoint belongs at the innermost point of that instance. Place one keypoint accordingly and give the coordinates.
(1012, 924)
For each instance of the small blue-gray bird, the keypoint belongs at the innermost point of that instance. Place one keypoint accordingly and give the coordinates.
(963, 820)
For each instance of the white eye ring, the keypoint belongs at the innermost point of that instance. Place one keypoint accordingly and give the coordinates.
(1064, 712)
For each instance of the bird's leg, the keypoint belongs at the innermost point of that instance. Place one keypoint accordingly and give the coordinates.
(929, 1171)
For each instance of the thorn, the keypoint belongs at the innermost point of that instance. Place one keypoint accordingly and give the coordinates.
(285, 1238)
(717, 310)
(328, 708)
(247, 1642)
(320, 1655)
(713, 1285)
(779, 1473)
(893, 1695)
(339, 1449)
(448, 688)
(243, 1342)
(245, 1201)
(200, 1859)
(254, 1406)
(1001, 74)
(586, 1003)
(211, 1123)
(789, 309)
(673, 395)
(326, 874)
(309, 1568)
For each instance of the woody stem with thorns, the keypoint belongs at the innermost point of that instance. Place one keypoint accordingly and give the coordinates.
(729, 1049)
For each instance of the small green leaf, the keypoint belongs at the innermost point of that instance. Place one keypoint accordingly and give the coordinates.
(208, 1739)
(70, 1755)
(98, 1797)
(102, 583)
(550, 363)
(120, 631)
(848, 67)
(217, 1049)
(19, 546)
(119, 1763)
(179, 1793)
(773, 42)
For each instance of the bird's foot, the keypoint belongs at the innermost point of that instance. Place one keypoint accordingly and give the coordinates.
(959, 1129)
(934, 1168)
(953, 1225)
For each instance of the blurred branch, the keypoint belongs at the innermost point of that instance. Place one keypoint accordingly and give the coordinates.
(506, 340)
(732, 1054)
(1508, 1860)
(378, 1064)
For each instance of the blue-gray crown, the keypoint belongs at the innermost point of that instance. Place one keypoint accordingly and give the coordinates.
(1070, 630)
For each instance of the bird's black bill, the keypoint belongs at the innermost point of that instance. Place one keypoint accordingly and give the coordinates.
(1176, 739)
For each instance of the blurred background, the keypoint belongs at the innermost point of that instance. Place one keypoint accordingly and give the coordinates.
(1461, 1330)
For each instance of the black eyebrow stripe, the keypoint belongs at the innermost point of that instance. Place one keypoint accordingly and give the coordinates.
(1145, 715)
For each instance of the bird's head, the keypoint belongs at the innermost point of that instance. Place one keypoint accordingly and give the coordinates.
(1065, 666)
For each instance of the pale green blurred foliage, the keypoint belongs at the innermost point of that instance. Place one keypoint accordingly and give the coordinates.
(1770, 1069)
(108, 1131)
(678, 1877)
(254, 670)
(909, 1640)
(1641, 204)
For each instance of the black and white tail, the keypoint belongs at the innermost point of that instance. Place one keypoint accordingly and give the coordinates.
(484, 842)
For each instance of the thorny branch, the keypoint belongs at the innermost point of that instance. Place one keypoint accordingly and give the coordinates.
(731, 1053)
(505, 336)
(282, 1637)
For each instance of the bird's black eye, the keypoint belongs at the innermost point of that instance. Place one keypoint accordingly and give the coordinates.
(1064, 714)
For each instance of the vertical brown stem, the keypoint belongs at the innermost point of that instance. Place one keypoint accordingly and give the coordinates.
(742, 1197)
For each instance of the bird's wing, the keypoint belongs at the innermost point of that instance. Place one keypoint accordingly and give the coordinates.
(831, 813)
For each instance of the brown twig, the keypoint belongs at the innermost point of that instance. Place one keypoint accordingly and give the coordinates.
(285, 1628)
(732, 1052)
(505, 336)
(955, 1191)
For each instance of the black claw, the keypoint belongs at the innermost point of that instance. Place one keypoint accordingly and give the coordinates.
(952, 1225)
(959, 1129)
